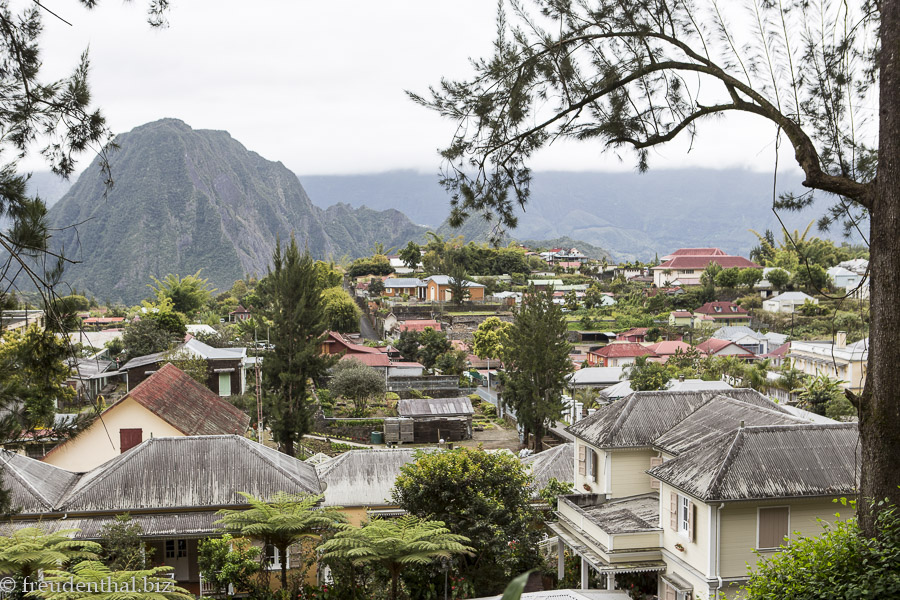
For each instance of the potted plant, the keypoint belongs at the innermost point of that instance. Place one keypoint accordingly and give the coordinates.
(679, 547)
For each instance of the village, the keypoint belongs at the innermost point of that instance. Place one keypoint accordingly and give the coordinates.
(697, 422)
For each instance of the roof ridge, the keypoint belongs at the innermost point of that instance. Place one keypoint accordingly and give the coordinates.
(106, 472)
(736, 444)
(731, 399)
(256, 446)
(18, 475)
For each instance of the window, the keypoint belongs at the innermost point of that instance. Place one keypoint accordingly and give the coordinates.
(224, 384)
(129, 438)
(170, 548)
(273, 558)
(773, 526)
(684, 514)
(176, 549)
(182, 549)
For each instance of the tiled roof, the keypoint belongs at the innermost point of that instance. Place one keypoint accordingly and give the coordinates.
(637, 331)
(420, 325)
(719, 309)
(769, 462)
(713, 346)
(681, 314)
(187, 405)
(376, 359)
(623, 350)
(668, 347)
(701, 262)
(696, 252)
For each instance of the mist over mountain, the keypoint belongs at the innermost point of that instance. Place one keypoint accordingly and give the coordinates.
(632, 215)
(187, 199)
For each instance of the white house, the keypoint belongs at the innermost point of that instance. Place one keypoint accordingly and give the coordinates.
(788, 302)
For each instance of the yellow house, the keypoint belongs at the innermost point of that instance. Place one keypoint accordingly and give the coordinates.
(167, 404)
(836, 359)
(437, 289)
(656, 468)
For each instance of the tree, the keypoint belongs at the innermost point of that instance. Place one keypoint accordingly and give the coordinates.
(644, 375)
(484, 497)
(188, 294)
(728, 278)
(293, 303)
(635, 75)
(228, 561)
(193, 365)
(286, 520)
(779, 278)
(30, 550)
(489, 340)
(411, 255)
(341, 312)
(452, 362)
(408, 345)
(820, 393)
(123, 548)
(395, 543)
(536, 363)
(91, 579)
(376, 287)
(459, 287)
(145, 337)
(357, 382)
(838, 563)
(750, 277)
(432, 344)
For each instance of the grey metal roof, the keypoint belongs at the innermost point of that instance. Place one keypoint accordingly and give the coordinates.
(596, 375)
(639, 419)
(733, 333)
(791, 296)
(193, 346)
(195, 471)
(558, 462)
(780, 461)
(403, 282)
(634, 514)
(435, 407)
(445, 280)
(181, 524)
(34, 486)
(363, 477)
(718, 416)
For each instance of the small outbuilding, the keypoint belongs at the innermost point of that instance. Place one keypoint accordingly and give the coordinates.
(435, 419)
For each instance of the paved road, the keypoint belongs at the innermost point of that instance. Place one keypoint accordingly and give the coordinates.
(366, 330)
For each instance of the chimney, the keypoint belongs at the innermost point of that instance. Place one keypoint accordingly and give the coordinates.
(840, 339)
(681, 378)
(742, 424)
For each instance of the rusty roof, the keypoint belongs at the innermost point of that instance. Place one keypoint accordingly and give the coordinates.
(190, 407)
(769, 462)
(639, 419)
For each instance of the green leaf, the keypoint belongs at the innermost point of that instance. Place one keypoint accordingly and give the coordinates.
(515, 588)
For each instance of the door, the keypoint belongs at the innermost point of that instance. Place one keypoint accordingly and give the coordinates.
(176, 556)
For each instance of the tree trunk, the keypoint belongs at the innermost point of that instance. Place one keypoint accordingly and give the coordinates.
(538, 438)
(284, 560)
(879, 410)
(395, 576)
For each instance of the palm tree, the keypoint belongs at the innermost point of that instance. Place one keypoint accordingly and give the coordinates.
(30, 550)
(395, 543)
(102, 583)
(282, 522)
(818, 391)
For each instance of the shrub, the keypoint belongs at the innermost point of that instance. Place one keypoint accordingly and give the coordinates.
(489, 410)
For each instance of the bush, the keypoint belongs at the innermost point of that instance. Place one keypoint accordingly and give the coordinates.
(489, 410)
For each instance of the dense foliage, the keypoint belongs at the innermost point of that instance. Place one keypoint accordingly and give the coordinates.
(358, 383)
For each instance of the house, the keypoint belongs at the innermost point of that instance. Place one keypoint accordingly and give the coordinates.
(595, 377)
(435, 419)
(18, 319)
(226, 367)
(667, 348)
(167, 404)
(90, 375)
(438, 289)
(721, 313)
(555, 463)
(618, 354)
(623, 388)
(360, 481)
(411, 287)
(788, 302)
(686, 485)
(686, 266)
(754, 341)
(543, 284)
(717, 347)
(239, 314)
(173, 487)
(846, 363)
(680, 318)
(635, 334)
(102, 322)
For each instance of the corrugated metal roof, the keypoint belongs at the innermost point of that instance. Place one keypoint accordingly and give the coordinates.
(363, 477)
(189, 471)
(639, 419)
(435, 407)
(779, 461)
(634, 514)
(556, 463)
(183, 524)
(34, 486)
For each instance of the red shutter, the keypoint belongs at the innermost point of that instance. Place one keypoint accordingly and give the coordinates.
(129, 438)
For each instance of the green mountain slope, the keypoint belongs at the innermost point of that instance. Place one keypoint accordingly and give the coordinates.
(188, 199)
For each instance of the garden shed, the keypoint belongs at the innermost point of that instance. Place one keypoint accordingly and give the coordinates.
(435, 419)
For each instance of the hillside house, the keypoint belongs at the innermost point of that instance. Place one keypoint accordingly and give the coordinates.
(167, 404)
(635, 334)
(686, 266)
(666, 348)
(687, 485)
(226, 367)
(618, 354)
(717, 347)
(681, 318)
(239, 314)
(753, 341)
(20, 319)
(173, 487)
(716, 314)
(788, 302)
(411, 287)
(838, 360)
(438, 289)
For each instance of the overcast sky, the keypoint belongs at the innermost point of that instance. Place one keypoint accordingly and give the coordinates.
(318, 85)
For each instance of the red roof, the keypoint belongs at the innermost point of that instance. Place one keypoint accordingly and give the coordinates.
(695, 252)
(371, 360)
(419, 325)
(623, 350)
(779, 352)
(103, 320)
(701, 262)
(668, 347)
(172, 395)
(336, 339)
(715, 345)
(638, 331)
(721, 309)
(681, 314)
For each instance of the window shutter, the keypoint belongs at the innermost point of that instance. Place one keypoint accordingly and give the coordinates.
(692, 511)
(673, 511)
(773, 526)
(595, 466)
(129, 438)
(655, 462)
(670, 592)
(582, 469)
